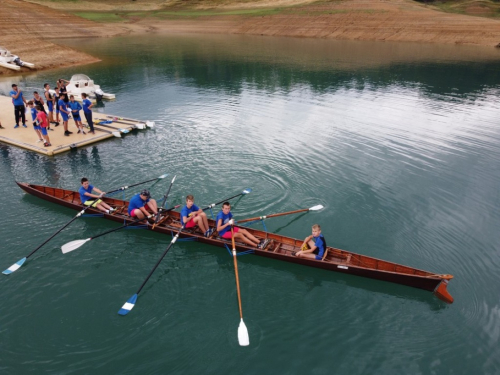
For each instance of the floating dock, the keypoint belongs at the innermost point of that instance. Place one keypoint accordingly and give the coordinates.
(105, 125)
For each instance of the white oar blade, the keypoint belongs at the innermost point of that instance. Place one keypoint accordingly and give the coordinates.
(129, 305)
(243, 338)
(124, 131)
(14, 267)
(140, 126)
(150, 124)
(116, 134)
(163, 175)
(247, 191)
(73, 245)
(316, 208)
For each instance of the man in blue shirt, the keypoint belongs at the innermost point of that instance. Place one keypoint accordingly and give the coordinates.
(64, 113)
(225, 221)
(192, 216)
(87, 111)
(18, 101)
(138, 204)
(314, 246)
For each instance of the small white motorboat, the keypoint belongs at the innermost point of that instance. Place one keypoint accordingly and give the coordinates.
(10, 61)
(80, 83)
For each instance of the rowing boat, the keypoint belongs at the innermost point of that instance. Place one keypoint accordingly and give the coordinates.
(278, 247)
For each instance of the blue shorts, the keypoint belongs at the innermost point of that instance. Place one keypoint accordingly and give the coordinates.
(44, 130)
(37, 127)
(51, 106)
(77, 118)
(64, 116)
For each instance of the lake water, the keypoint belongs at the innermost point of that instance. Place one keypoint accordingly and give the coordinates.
(399, 142)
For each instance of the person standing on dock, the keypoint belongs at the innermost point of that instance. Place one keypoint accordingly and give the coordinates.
(89, 199)
(87, 111)
(34, 112)
(50, 103)
(19, 108)
(43, 123)
(56, 101)
(75, 112)
(314, 246)
(64, 113)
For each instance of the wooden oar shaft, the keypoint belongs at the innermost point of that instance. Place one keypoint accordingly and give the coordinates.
(273, 215)
(236, 273)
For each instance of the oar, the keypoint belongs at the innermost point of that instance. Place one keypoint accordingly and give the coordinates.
(315, 208)
(137, 125)
(129, 305)
(164, 200)
(124, 131)
(139, 183)
(149, 124)
(73, 245)
(243, 338)
(20, 262)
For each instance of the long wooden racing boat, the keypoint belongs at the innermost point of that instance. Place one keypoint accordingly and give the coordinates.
(279, 247)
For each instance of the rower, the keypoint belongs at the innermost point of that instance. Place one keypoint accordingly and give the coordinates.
(225, 220)
(314, 246)
(192, 216)
(89, 199)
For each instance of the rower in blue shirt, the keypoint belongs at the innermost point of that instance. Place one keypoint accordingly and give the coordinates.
(314, 246)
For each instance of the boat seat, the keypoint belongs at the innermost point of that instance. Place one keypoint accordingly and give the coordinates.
(276, 248)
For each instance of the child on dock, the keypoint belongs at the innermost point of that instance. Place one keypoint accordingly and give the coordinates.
(87, 111)
(225, 220)
(314, 246)
(34, 114)
(43, 123)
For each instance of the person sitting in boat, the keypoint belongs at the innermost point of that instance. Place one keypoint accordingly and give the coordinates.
(192, 216)
(75, 112)
(225, 220)
(137, 207)
(89, 199)
(314, 246)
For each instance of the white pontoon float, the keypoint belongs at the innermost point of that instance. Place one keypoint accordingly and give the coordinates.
(10, 61)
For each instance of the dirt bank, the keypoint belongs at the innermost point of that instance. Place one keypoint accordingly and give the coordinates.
(28, 28)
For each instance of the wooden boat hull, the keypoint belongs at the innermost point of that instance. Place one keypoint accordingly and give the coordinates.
(280, 247)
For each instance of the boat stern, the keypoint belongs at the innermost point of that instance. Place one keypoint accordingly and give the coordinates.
(441, 290)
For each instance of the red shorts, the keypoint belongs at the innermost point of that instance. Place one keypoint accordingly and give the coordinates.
(190, 224)
(227, 235)
(132, 213)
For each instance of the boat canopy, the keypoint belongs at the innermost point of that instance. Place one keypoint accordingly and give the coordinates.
(79, 77)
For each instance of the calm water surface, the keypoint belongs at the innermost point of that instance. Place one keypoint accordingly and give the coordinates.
(400, 143)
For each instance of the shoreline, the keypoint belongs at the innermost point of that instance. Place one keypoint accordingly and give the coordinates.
(384, 20)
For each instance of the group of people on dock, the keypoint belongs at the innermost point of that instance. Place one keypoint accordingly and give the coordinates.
(59, 106)
(144, 208)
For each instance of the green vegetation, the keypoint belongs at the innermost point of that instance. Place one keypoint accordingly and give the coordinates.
(482, 8)
(100, 17)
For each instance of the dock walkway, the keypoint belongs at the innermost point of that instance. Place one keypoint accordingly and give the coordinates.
(26, 138)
